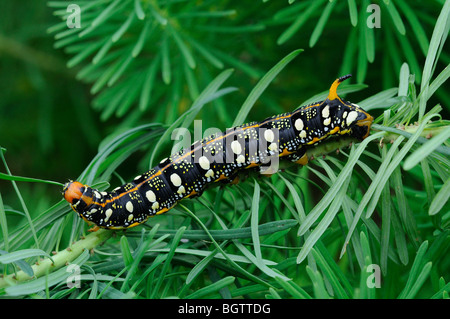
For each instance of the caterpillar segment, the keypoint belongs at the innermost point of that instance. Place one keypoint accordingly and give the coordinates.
(220, 158)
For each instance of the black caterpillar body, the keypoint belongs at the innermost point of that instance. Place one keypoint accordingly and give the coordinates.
(219, 157)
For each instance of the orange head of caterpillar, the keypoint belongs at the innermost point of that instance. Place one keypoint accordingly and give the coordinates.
(350, 118)
(73, 191)
(77, 195)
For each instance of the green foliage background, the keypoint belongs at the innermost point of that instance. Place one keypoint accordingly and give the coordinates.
(100, 102)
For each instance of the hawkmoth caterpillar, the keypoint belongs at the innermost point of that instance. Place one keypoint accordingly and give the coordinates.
(220, 157)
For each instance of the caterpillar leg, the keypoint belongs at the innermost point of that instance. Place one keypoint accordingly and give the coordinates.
(93, 229)
(234, 179)
(194, 194)
(298, 157)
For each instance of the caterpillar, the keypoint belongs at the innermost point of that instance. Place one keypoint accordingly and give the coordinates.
(219, 158)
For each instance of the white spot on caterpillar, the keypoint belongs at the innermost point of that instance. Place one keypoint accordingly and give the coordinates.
(344, 115)
(155, 206)
(175, 179)
(273, 147)
(240, 159)
(104, 193)
(181, 190)
(204, 162)
(269, 136)
(209, 173)
(130, 217)
(163, 160)
(137, 177)
(326, 111)
(93, 210)
(97, 194)
(129, 206)
(108, 214)
(299, 125)
(303, 134)
(351, 117)
(236, 147)
(327, 121)
(150, 196)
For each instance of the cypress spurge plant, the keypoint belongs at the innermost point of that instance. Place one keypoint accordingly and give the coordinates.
(248, 245)
(139, 53)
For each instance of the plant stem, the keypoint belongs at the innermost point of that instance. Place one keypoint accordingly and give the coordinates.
(60, 259)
